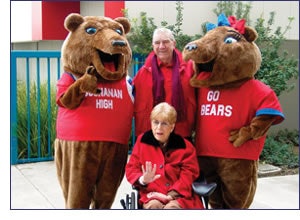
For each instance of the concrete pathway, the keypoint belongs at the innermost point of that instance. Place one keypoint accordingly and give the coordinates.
(35, 186)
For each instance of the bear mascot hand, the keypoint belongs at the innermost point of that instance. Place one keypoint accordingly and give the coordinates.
(76, 92)
(89, 81)
(258, 128)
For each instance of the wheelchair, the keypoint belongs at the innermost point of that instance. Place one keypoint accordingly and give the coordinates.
(200, 187)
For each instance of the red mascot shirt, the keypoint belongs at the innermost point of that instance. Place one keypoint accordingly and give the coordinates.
(100, 117)
(221, 111)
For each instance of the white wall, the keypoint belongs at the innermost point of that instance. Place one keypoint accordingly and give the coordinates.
(283, 10)
(194, 13)
(92, 8)
(197, 12)
(21, 24)
(21, 17)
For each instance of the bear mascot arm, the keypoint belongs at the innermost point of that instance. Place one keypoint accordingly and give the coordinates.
(89, 74)
(258, 127)
(260, 124)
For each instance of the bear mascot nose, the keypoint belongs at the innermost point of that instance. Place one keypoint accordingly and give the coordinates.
(118, 43)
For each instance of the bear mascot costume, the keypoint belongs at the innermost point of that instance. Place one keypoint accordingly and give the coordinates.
(95, 109)
(234, 112)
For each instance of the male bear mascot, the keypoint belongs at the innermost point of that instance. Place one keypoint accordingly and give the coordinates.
(95, 102)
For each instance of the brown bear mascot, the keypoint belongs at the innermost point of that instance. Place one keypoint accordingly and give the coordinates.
(95, 101)
(235, 110)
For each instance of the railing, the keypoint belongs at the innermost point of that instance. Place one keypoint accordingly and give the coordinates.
(35, 71)
(27, 68)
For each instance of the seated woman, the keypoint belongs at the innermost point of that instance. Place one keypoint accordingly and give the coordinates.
(163, 165)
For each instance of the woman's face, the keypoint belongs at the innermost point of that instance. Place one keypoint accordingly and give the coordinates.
(161, 129)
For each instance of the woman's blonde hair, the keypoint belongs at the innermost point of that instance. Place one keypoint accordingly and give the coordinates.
(165, 111)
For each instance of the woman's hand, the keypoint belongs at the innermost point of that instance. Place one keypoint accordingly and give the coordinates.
(160, 196)
(149, 172)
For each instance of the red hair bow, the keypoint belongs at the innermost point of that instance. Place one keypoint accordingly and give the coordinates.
(238, 25)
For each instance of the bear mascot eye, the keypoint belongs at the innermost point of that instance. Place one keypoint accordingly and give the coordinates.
(119, 31)
(230, 40)
(91, 30)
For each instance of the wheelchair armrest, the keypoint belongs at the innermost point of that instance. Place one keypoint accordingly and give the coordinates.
(204, 189)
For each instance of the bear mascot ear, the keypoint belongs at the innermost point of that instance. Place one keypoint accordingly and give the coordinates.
(73, 21)
(125, 23)
(250, 34)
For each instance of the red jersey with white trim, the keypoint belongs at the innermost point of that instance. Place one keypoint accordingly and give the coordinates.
(100, 117)
(221, 111)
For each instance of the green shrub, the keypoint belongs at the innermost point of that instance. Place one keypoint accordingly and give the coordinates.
(237, 8)
(277, 67)
(278, 149)
(181, 38)
(30, 133)
(140, 35)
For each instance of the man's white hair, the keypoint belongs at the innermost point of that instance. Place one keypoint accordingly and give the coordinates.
(165, 31)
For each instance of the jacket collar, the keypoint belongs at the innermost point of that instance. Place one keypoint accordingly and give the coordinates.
(175, 141)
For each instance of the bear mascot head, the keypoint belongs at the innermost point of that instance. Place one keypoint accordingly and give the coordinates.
(94, 96)
(99, 42)
(235, 110)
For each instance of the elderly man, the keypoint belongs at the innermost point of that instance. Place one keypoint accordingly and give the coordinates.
(165, 78)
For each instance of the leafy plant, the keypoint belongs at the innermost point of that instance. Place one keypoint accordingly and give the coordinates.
(237, 8)
(181, 39)
(288, 136)
(35, 120)
(278, 149)
(140, 35)
(277, 69)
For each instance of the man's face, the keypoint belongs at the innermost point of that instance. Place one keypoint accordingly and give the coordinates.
(163, 47)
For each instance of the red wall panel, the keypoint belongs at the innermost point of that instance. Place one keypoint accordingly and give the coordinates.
(48, 19)
(114, 9)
